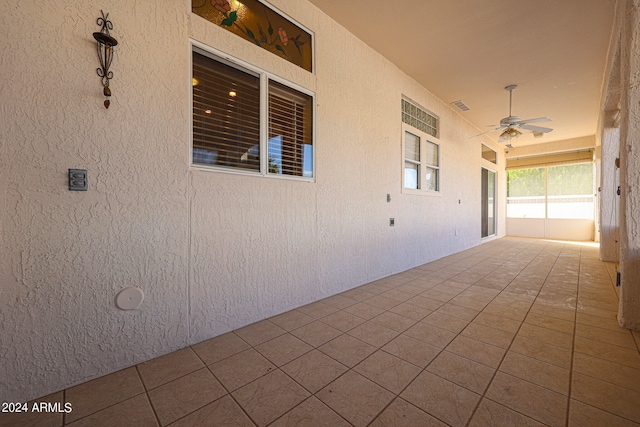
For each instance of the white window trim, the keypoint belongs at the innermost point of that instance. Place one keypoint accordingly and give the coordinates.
(265, 76)
(424, 137)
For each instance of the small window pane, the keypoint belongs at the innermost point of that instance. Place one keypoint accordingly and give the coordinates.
(431, 181)
(290, 131)
(570, 191)
(411, 146)
(431, 154)
(526, 193)
(488, 154)
(226, 115)
(411, 174)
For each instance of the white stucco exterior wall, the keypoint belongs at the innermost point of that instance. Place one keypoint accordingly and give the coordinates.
(212, 251)
(629, 311)
(608, 195)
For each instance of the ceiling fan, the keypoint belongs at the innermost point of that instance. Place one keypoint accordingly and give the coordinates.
(512, 124)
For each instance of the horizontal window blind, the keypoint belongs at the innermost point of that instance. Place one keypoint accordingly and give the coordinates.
(290, 131)
(226, 115)
(431, 154)
(411, 146)
(411, 161)
(550, 160)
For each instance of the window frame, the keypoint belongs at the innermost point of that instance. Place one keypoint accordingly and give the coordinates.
(264, 78)
(495, 200)
(488, 150)
(423, 165)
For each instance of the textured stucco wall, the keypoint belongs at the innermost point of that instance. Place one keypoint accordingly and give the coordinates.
(609, 199)
(629, 312)
(212, 251)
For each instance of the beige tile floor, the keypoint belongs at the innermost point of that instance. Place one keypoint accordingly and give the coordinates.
(515, 332)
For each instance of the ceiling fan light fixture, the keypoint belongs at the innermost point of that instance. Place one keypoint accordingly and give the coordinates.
(511, 124)
(510, 133)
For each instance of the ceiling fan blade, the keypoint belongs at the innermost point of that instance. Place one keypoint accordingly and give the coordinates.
(536, 128)
(484, 133)
(536, 120)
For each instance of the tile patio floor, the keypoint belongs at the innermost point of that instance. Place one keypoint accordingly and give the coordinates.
(515, 332)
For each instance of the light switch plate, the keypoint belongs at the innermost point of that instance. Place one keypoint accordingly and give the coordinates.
(78, 179)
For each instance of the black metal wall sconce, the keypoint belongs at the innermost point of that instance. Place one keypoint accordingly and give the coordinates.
(105, 54)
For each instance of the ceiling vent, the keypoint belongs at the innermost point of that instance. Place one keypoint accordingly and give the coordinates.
(461, 105)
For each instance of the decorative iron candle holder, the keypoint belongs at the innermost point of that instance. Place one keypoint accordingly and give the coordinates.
(105, 54)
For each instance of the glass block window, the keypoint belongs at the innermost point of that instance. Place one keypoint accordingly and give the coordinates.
(419, 118)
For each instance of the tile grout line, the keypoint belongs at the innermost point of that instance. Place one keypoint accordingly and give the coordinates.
(307, 398)
(146, 393)
(64, 400)
(155, 414)
(224, 387)
(64, 394)
(573, 342)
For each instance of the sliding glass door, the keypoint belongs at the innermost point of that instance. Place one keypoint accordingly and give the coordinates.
(488, 202)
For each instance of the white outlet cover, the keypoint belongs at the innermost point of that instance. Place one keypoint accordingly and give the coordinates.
(129, 298)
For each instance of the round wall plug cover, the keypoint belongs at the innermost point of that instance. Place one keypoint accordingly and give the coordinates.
(129, 298)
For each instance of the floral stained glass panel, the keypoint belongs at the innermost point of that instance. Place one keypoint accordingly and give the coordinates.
(257, 23)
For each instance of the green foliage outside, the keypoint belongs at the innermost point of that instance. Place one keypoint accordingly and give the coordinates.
(563, 180)
(525, 182)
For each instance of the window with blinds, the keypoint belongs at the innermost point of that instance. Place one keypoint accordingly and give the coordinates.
(432, 166)
(226, 115)
(290, 132)
(421, 162)
(228, 109)
(411, 161)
